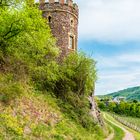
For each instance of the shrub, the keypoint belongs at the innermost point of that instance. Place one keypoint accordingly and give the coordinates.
(77, 74)
(11, 124)
(27, 46)
(10, 89)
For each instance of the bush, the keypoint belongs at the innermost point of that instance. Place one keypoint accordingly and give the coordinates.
(11, 124)
(123, 108)
(77, 74)
(10, 89)
(27, 46)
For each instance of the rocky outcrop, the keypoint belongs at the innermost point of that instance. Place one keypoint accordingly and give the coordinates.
(95, 112)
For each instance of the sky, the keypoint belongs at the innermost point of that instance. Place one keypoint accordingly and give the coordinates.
(109, 30)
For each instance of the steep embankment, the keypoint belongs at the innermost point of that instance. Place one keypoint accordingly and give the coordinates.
(29, 113)
(130, 94)
(37, 116)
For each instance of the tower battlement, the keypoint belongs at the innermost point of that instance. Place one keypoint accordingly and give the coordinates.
(61, 2)
(65, 5)
(62, 16)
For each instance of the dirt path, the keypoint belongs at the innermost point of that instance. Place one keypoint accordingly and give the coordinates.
(128, 135)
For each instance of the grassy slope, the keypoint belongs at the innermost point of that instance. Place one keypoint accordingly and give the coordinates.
(130, 93)
(36, 116)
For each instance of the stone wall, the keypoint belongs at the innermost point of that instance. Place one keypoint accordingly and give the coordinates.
(63, 19)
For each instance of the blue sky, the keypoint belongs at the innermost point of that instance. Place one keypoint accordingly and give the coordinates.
(110, 31)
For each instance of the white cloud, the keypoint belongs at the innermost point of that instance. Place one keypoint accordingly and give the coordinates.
(118, 72)
(108, 62)
(111, 83)
(118, 61)
(130, 58)
(113, 21)
(110, 20)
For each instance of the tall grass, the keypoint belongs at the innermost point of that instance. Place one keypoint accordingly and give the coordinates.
(118, 132)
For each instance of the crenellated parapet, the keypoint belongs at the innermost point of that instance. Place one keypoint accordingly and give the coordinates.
(68, 2)
(64, 5)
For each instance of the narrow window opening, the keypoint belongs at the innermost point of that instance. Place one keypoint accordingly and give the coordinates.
(49, 19)
(71, 43)
(71, 22)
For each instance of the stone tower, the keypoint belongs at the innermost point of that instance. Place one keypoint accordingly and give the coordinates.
(63, 19)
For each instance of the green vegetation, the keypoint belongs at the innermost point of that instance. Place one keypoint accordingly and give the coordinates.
(122, 108)
(131, 120)
(41, 98)
(130, 94)
(37, 115)
(118, 132)
(127, 112)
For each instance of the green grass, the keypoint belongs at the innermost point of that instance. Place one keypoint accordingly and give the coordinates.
(135, 121)
(118, 132)
(36, 116)
(29, 114)
(108, 130)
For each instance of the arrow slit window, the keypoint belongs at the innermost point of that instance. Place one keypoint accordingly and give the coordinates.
(71, 43)
(49, 19)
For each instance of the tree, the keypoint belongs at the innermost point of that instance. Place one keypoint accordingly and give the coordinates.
(101, 105)
(133, 109)
(111, 106)
(127, 108)
(138, 111)
(121, 107)
(77, 74)
(26, 40)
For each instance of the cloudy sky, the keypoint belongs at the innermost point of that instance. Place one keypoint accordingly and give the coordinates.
(110, 31)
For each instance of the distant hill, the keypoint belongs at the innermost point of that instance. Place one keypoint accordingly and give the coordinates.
(129, 93)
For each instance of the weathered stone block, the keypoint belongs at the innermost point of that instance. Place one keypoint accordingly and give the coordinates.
(63, 20)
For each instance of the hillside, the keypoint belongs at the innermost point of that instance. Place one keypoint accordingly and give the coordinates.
(129, 93)
(38, 116)
(41, 96)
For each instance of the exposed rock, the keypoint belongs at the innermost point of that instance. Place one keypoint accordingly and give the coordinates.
(95, 112)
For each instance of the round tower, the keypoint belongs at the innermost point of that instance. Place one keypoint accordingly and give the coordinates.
(62, 17)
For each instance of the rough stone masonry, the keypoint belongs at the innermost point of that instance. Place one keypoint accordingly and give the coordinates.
(63, 19)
